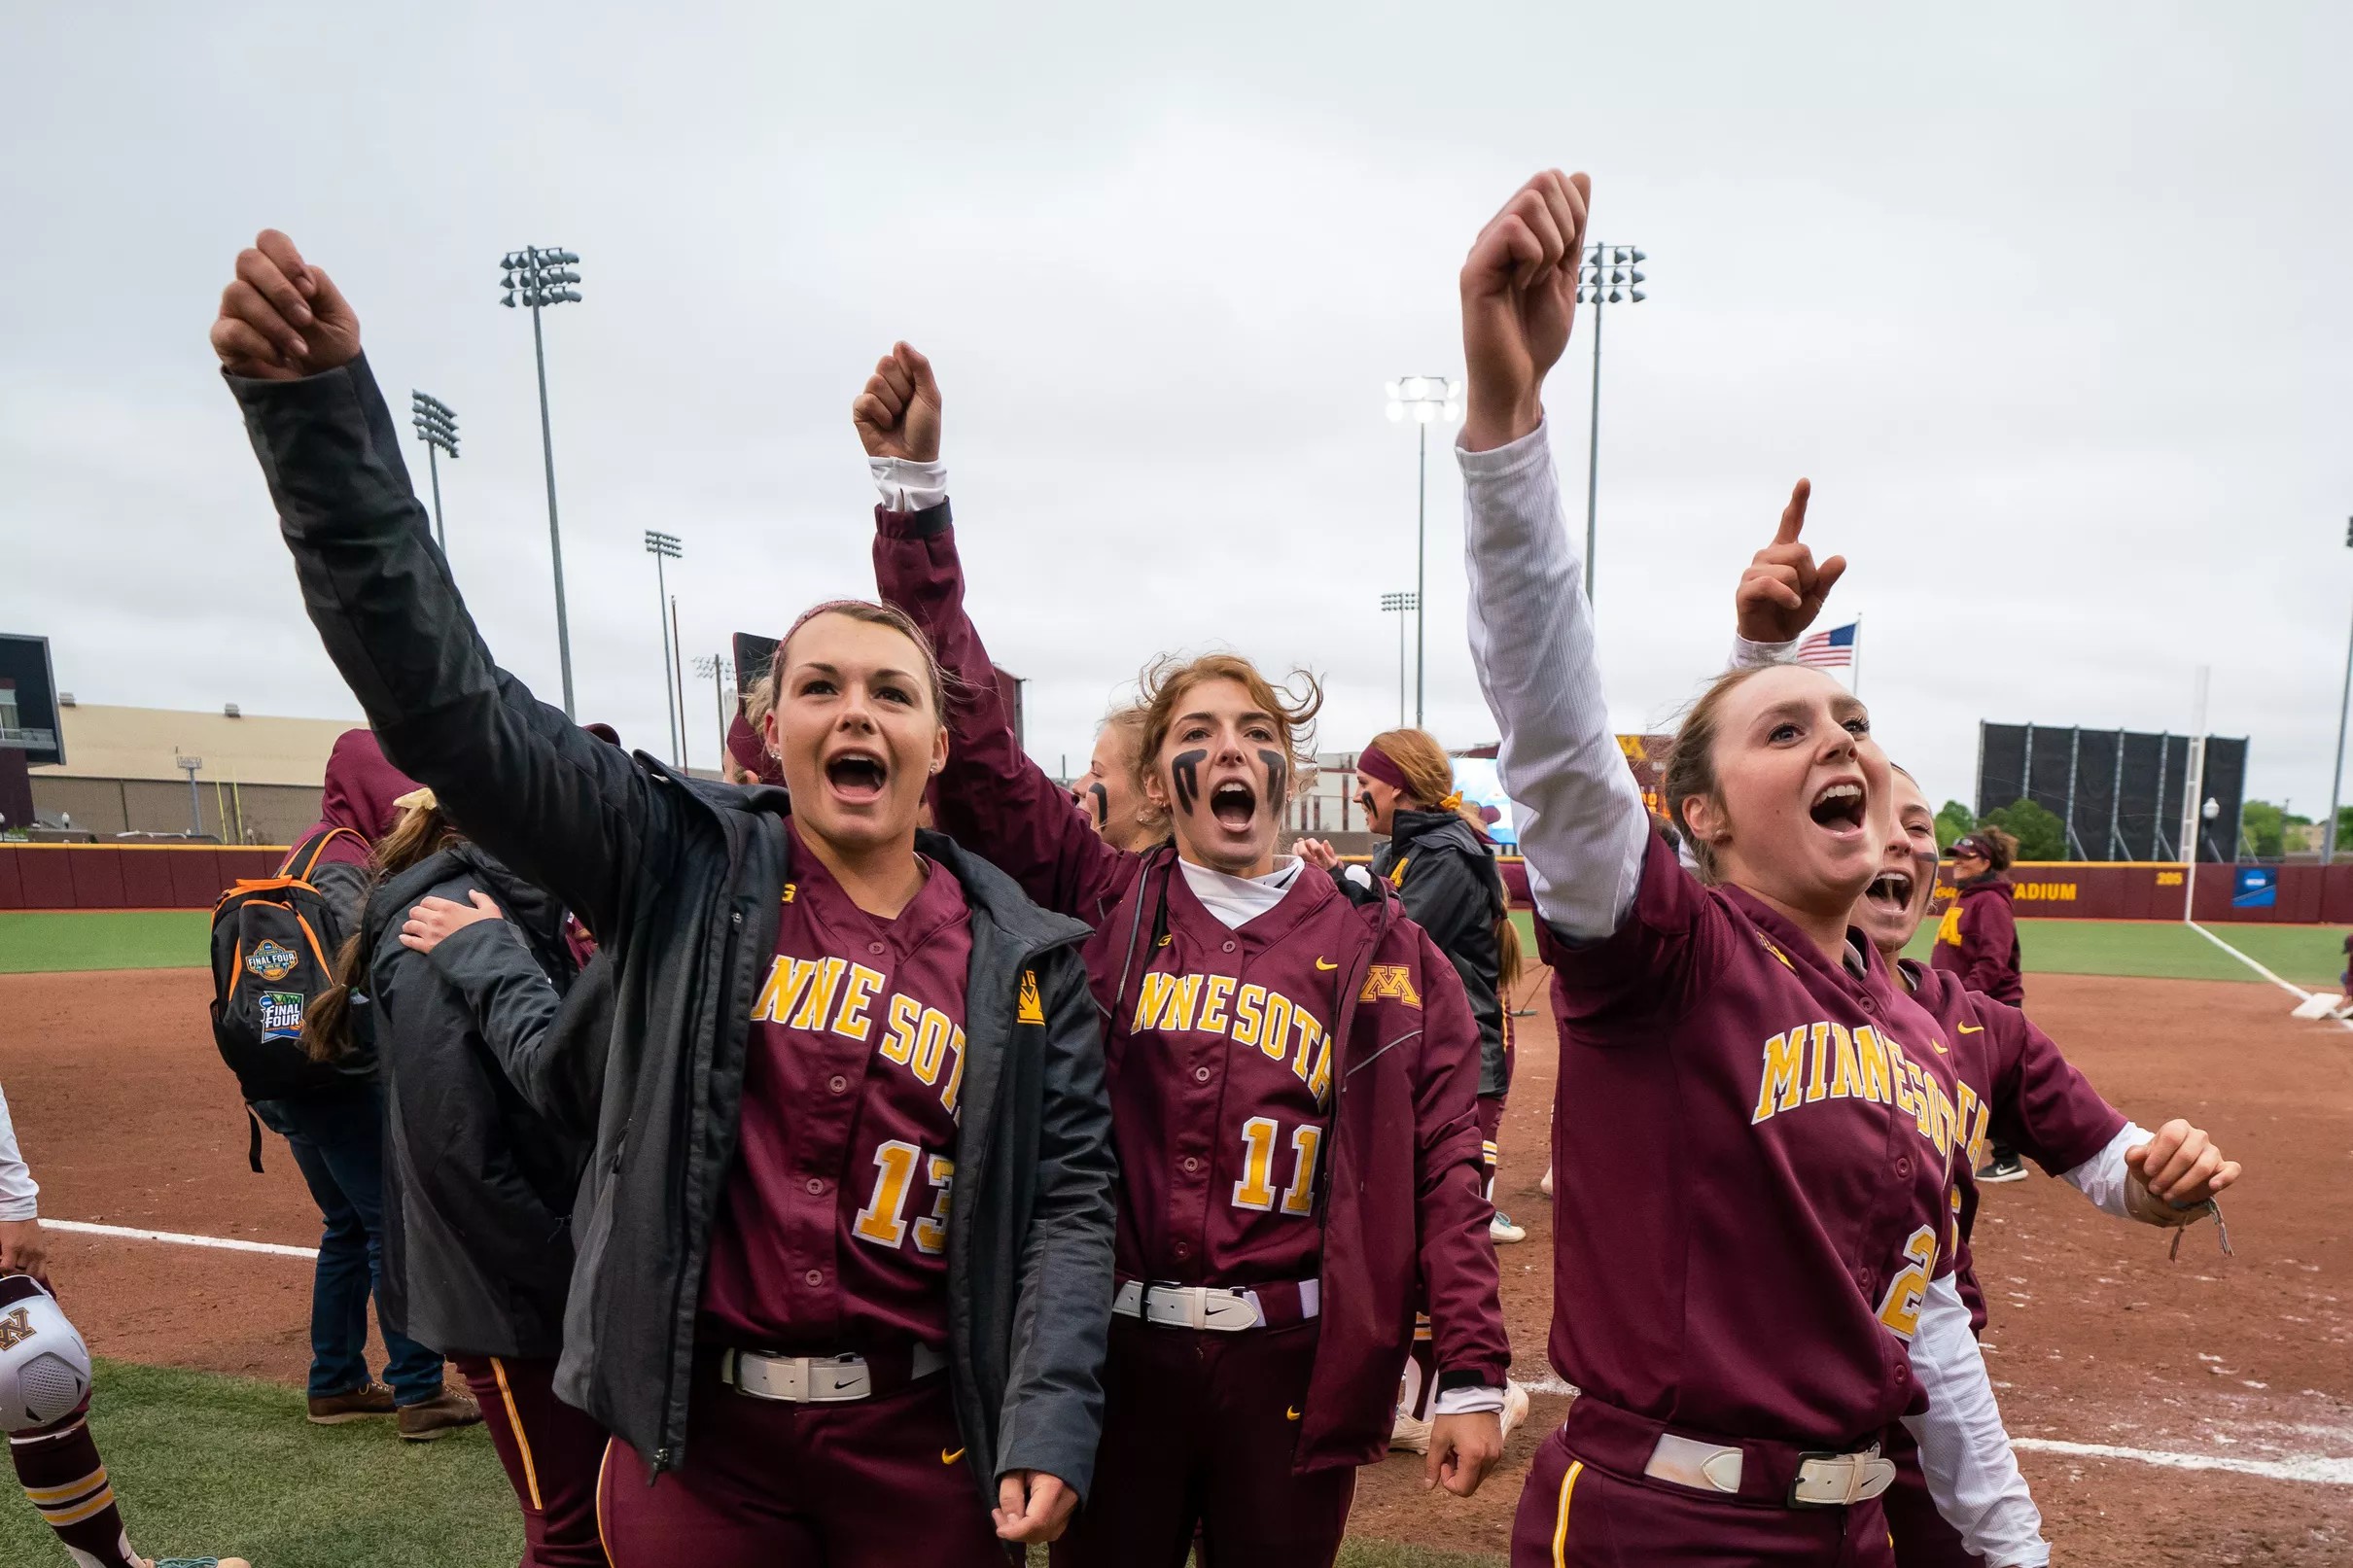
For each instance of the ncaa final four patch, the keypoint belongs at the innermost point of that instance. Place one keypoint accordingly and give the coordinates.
(271, 960)
(281, 1015)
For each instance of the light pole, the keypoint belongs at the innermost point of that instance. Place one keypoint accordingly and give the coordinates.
(195, 802)
(2336, 781)
(1607, 274)
(665, 547)
(715, 669)
(437, 426)
(1399, 604)
(538, 278)
(1426, 399)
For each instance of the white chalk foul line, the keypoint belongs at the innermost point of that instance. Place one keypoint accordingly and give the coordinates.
(2296, 991)
(2311, 1468)
(219, 1243)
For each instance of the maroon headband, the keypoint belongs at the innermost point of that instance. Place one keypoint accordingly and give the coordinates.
(1375, 763)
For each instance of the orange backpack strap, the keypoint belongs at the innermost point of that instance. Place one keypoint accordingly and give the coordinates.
(317, 848)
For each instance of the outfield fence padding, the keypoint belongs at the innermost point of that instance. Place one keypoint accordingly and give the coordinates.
(128, 876)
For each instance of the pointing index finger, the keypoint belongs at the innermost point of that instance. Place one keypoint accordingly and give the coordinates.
(1793, 515)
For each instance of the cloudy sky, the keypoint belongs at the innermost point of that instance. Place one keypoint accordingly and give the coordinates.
(2049, 301)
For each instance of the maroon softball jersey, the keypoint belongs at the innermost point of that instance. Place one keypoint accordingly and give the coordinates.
(1225, 1062)
(2017, 1089)
(1753, 1147)
(833, 1233)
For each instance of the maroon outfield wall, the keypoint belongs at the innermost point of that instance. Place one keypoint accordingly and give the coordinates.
(193, 876)
(2132, 891)
(129, 876)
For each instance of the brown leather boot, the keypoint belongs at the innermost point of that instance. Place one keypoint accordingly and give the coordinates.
(431, 1419)
(352, 1405)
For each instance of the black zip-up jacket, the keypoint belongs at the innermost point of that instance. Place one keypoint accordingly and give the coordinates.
(681, 882)
(478, 1230)
(1452, 890)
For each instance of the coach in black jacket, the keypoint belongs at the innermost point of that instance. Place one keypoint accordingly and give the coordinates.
(681, 882)
(1451, 889)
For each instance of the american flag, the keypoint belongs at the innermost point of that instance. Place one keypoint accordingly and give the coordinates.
(1830, 650)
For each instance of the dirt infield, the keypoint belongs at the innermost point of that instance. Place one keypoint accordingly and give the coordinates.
(128, 1118)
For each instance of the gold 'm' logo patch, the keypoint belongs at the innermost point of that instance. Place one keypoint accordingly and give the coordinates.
(1031, 1008)
(1390, 981)
(16, 1328)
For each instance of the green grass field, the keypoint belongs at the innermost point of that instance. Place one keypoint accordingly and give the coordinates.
(206, 1465)
(2308, 956)
(105, 939)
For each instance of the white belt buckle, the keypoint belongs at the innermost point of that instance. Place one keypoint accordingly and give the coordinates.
(1839, 1479)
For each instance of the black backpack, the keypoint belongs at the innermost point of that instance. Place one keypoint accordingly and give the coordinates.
(274, 941)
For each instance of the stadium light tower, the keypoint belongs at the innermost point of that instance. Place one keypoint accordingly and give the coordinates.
(1400, 605)
(664, 548)
(1610, 274)
(538, 278)
(437, 426)
(2337, 783)
(714, 668)
(1426, 399)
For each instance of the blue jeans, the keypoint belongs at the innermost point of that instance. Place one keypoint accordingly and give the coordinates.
(339, 1142)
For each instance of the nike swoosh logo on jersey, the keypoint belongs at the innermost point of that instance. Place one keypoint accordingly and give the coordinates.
(1972, 1028)
(1291, 1413)
(1321, 964)
(1939, 1046)
(947, 1458)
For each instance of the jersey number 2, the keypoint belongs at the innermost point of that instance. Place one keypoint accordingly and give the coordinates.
(1900, 1307)
(1256, 1187)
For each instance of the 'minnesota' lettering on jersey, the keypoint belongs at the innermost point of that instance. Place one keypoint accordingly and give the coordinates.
(1251, 1016)
(1825, 1059)
(834, 994)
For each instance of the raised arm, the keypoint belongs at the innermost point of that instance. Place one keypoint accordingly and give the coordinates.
(559, 806)
(1579, 816)
(991, 798)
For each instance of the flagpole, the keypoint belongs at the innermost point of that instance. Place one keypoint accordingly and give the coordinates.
(1855, 670)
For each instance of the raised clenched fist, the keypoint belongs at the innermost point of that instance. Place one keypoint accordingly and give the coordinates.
(897, 415)
(1518, 296)
(1783, 588)
(281, 318)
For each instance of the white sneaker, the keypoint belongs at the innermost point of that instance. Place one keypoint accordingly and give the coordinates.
(1515, 1407)
(1502, 1232)
(1547, 1183)
(1410, 1436)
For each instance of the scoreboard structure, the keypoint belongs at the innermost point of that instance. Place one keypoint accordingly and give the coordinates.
(2118, 791)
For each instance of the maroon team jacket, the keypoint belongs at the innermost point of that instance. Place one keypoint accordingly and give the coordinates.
(1977, 940)
(1403, 1200)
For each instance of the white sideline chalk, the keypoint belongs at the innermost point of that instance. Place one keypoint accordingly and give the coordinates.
(219, 1243)
(2312, 1468)
(2303, 997)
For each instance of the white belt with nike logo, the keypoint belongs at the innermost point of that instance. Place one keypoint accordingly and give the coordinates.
(814, 1379)
(1825, 1480)
(1206, 1306)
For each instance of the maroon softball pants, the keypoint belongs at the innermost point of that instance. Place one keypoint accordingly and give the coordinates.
(1575, 1516)
(552, 1454)
(876, 1483)
(1199, 1429)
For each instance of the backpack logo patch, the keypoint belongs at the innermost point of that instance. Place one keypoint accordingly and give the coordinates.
(1391, 982)
(1032, 1008)
(271, 961)
(281, 1015)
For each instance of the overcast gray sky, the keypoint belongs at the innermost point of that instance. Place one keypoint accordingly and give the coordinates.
(2049, 301)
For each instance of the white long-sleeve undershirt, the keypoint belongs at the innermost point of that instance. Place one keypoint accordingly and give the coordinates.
(1966, 1451)
(1581, 823)
(20, 1194)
